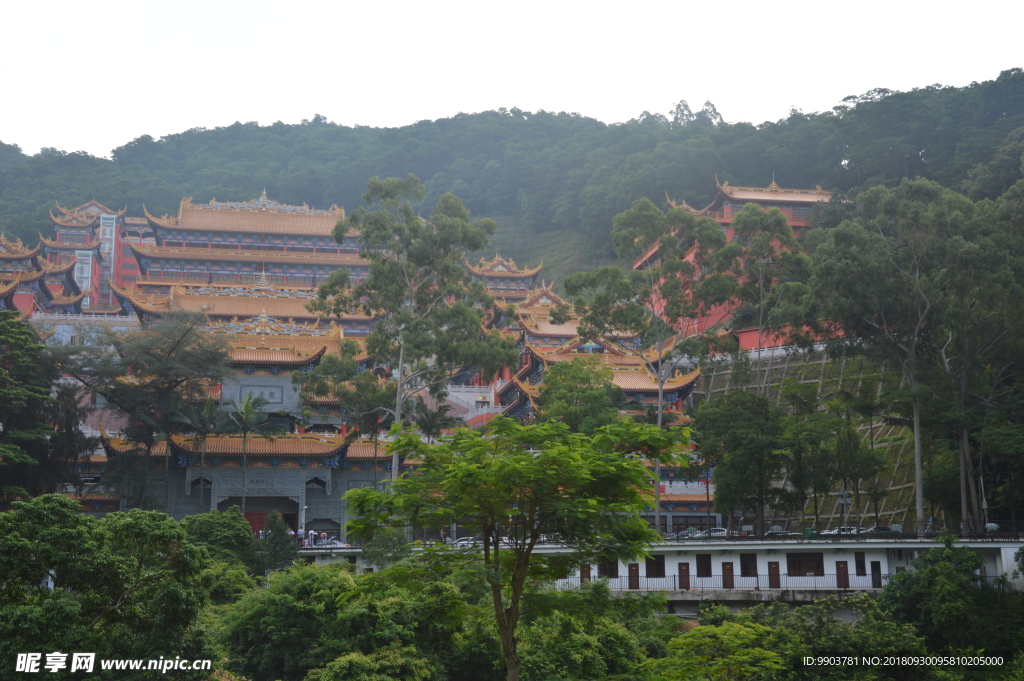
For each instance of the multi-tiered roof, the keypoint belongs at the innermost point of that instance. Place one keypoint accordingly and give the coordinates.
(729, 200)
(236, 242)
(503, 279)
(543, 342)
(46, 286)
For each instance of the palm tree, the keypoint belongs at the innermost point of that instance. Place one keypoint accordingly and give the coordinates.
(201, 424)
(433, 422)
(250, 418)
(651, 415)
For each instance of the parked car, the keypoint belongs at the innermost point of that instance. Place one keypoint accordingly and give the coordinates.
(713, 532)
(688, 533)
(842, 530)
(469, 541)
(879, 529)
(781, 533)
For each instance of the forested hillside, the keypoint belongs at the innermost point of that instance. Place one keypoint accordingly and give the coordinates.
(553, 181)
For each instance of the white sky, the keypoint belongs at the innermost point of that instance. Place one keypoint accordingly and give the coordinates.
(94, 75)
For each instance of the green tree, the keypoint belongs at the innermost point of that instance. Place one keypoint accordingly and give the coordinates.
(379, 626)
(126, 586)
(277, 632)
(518, 485)
(278, 549)
(769, 271)
(952, 605)
(418, 289)
(815, 630)
(380, 665)
(247, 419)
(978, 330)
(654, 301)
(853, 460)
(226, 535)
(388, 545)
(806, 439)
(881, 281)
(200, 424)
(728, 651)
(24, 393)
(742, 432)
(579, 394)
(144, 378)
(433, 422)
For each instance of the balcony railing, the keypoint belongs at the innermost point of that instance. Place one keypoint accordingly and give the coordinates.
(823, 531)
(781, 581)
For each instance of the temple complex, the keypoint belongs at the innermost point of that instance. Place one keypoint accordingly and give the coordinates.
(88, 235)
(795, 204)
(29, 283)
(543, 342)
(302, 476)
(238, 242)
(503, 280)
(274, 309)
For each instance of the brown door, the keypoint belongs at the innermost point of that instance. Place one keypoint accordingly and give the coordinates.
(773, 576)
(585, 574)
(727, 582)
(876, 574)
(842, 575)
(684, 576)
(634, 575)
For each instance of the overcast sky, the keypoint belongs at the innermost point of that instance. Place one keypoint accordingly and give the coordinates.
(94, 75)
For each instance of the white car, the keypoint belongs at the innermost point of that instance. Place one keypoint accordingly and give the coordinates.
(842, 530)
(713, 532)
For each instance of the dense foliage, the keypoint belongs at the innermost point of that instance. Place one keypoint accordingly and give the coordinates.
(127, 586)
(40, 417)
(557, 179)
(518, 487)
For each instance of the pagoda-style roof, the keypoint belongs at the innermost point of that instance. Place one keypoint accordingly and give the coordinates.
(259, 215)
(74, 221)
(500, 267)
(7, 291)
(629, 372)
(686, 498)
(67, 246)
(289, 444)
(225, 255)
(53, 268)
(22, 277)
(543, 297)
(286, 444)
(258, 307)
(771, 195)
(362, 449)
(93, 496)
(284, 351)
(533, 315)
(67, 301)
(15, 250)
(93, 207)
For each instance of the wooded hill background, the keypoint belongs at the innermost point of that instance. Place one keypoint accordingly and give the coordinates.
(553, 181)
